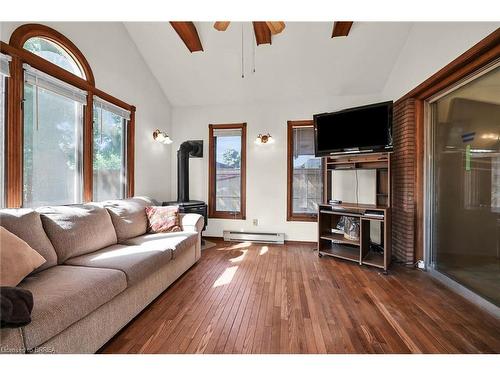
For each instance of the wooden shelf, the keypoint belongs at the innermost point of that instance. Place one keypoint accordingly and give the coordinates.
(374, 259)
(360, 206)
(340, 251)
(338, 238)
(340, 212)
(368, 217)
(360, 251)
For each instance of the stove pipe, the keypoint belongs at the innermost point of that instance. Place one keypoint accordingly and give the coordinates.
(186, 149)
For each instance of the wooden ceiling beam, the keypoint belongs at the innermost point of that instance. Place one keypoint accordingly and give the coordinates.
(341, 28)
(262, 33)
(189, 35)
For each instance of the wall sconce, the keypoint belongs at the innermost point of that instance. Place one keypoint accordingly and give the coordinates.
(161, 137)
(264, 139)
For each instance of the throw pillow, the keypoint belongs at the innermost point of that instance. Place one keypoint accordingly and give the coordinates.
(163, 219)
(17, 259)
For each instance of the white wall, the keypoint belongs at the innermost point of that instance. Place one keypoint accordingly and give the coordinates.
(120, 70)
(266, 165)
(429, 47)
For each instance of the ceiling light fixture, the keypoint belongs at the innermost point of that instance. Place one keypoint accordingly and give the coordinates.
(161, 137)
(264, 139)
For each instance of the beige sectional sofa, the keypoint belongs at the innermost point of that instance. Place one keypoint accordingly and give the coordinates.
(101, 270)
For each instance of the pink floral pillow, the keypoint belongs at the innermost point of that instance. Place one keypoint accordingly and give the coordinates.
(163, 219)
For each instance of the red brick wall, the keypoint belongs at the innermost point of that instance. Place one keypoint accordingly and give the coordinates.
(403, 174)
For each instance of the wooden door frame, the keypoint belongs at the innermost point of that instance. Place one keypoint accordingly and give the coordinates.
(474, 59)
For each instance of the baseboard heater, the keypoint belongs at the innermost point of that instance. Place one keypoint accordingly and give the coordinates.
(277, 238)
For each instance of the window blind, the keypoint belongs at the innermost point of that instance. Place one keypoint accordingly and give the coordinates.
(4, 65)
(227, 132)
(107, 106)
(40, 79)
(303, 140)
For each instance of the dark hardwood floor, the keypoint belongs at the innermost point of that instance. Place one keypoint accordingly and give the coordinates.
(243, 298)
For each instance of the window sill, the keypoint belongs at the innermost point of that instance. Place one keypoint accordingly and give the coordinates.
(304, 218)
(226, 215)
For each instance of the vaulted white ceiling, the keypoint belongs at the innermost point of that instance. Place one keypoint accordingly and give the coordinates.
(302, 62)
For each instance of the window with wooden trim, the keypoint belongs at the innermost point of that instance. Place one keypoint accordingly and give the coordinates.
(55, 53)
(109, 150)
(52, 140)
(305, 173)
(63, 148)
(227, 171)
(4, 73)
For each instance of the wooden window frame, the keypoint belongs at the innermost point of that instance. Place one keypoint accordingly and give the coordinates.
(212, 212)
(290, 215)
(15, 122)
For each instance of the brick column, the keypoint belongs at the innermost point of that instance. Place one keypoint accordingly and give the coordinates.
(403, 169)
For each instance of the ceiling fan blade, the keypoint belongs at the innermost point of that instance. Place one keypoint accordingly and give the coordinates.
(276, 27)
(262, 33)
(221, 25)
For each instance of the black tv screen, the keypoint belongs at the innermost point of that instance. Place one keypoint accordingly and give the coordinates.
(354, 130)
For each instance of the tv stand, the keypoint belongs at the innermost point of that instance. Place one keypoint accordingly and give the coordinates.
(336, 245)
(331, 242)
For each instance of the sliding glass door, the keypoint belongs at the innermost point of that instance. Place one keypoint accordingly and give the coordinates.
(464, 185)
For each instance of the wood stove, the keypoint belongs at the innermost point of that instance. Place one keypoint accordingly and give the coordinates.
(193, 149)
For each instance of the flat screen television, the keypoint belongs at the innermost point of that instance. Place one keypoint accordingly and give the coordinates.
(354, 130)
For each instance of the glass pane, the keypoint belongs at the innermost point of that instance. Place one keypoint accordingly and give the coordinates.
(52, 148)
(466, 175)
(109, 155)
(54, 53)
(2, 140)
(228, 173)
(307, 188)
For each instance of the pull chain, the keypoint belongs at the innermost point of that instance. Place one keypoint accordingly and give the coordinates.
(242, 54)
(254, 53)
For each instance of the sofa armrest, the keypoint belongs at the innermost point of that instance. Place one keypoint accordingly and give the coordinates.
(192, 222)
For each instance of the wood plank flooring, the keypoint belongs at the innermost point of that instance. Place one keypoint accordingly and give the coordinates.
(242, 298)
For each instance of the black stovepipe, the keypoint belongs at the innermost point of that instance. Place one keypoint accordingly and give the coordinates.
(185, 149)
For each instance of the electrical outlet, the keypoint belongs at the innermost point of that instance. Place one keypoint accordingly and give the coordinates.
(255, 222)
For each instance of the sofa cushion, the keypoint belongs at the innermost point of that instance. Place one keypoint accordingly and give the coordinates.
(76, 230)
(137, 262)
(176, 241)
(26, 224)
(17, 259)
(65, 294)
(163, 219)
(128, 216)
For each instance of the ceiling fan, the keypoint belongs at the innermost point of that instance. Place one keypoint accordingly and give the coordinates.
(275, 27)
(263, 30)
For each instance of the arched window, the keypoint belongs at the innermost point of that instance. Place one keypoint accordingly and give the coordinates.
(70, 142)
(54, 47)
(55, 53)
